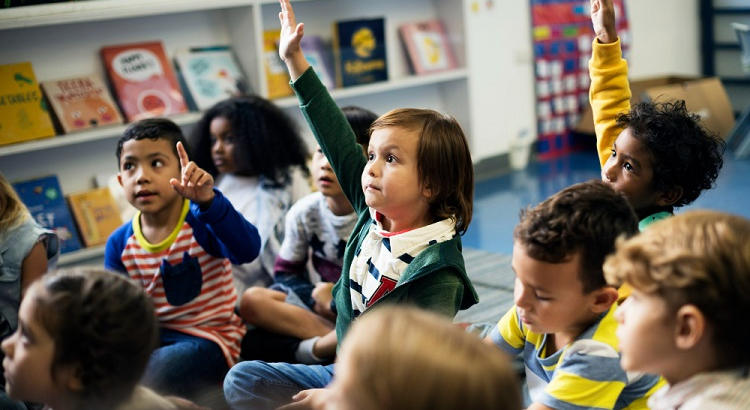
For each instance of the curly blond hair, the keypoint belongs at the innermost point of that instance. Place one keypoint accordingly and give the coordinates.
(700, 258)
(405, 358)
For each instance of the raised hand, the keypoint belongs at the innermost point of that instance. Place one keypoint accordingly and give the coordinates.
(289, 41)
(196, 184)
(603, 19)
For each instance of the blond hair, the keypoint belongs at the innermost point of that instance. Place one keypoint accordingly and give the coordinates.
(701, 258)
(444, 163)
(405, 358)
(12, 210)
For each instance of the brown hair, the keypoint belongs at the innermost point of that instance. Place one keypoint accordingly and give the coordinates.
(103, 325)
(700, 258)
(12, 210)
(406, 358)
(443, 161)
(587, 218)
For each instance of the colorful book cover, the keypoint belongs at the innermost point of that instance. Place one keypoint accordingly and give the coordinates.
(23, 111)
(82, 102)
(210, 75)
(428, 46)
(46, 203)
(96, 215)
(319, 56)
(143, 80)
(359, 51)
(277, 77)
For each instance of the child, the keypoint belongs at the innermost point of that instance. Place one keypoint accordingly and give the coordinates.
(657, 154)
(319, 224)
(259, 161)
(687, 316)
(25, 251)
(405, 358)
(83, 340)
(179, 248)
(561, 323)
(405, 248)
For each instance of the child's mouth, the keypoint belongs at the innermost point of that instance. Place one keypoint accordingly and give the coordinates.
(145, 194)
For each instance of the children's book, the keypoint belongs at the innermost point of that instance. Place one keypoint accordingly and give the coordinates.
(96, 215)
(209, 75)
(319, 56)
(428, 46)
(82, 102)
(143, 80)
(46, 203)
(23, 111)
(277, 77)
(359, 51)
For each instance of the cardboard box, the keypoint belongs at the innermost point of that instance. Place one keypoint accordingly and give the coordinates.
(703, 96)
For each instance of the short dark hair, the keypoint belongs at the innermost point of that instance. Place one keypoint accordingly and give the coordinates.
(685, 155)
(267, 140)
(443, 161)
(155, 129)
(103, 325)
(587, 217)
(360, 120)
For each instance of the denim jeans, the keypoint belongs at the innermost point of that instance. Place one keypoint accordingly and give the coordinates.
(260, 385)
(184, 365)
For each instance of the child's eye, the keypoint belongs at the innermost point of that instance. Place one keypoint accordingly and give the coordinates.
(126, 166)
(628, 167)
(157, 163)
(390, 158)
(319, 150)
(370, 156)
(614, 153)
(543, 298)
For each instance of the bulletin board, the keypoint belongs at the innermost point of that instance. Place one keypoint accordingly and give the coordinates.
(562, 37)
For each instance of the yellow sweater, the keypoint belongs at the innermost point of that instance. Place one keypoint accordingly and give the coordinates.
(609, 94)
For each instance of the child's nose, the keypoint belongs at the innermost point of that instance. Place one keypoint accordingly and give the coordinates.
(608, 173)
(7, 345)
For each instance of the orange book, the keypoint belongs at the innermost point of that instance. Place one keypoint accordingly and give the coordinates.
(277, 77)
(82, 102)
(143, 79)
(96, 214)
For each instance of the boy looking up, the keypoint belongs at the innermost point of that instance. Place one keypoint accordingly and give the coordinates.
(179, 247)
(562, 322)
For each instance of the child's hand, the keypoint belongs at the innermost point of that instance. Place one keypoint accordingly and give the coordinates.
(603, 19)
(323, 294)
(289, 42)
(309, 399)
(196, 185)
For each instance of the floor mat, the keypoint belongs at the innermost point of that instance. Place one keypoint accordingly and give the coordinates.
(493, 280)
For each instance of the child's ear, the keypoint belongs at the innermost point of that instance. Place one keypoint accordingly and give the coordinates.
(604, 298)
(119, 178)
(69, 377)
(670, 196)
(690, 327)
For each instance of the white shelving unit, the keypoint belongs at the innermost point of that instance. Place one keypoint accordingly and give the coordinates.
(64, 39)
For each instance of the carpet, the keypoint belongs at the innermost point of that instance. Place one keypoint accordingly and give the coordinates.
(493, 280)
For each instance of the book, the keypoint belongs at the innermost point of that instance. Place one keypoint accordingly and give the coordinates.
(359, 51)
(43, 197)
(427, 46)
(23, 112)
(319, 56)
(277, 78)
(109, 180)
(209, 75)
(143, 80)
(96, 214)
(81, 102)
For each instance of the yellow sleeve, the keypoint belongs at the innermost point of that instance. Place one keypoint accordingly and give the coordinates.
(609, 94)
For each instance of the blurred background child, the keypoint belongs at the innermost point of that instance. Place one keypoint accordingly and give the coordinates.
(26, 251)
(258, 158)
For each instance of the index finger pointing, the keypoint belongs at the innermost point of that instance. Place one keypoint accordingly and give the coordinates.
(182, 154)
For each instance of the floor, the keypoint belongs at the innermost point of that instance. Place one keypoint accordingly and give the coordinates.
(497, 201)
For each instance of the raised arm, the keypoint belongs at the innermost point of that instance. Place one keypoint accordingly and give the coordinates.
(610, 92)
(289, 42)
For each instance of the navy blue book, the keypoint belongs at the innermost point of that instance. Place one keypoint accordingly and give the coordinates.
(359, 51)
(47, 206)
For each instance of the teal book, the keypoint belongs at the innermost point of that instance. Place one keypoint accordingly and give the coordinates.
(47, 206)
(209, 75)
(360, 52)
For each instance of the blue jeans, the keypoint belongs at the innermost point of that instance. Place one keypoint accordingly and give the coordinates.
(260, 385)
(184, 365)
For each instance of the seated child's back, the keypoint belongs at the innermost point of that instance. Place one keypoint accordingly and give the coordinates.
(562, 321)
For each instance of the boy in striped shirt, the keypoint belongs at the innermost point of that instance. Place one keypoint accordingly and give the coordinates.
(180, 247)
(562, 323)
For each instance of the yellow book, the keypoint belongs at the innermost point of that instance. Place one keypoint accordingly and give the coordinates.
(23, 112)
(96, 214)
(277, 78)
